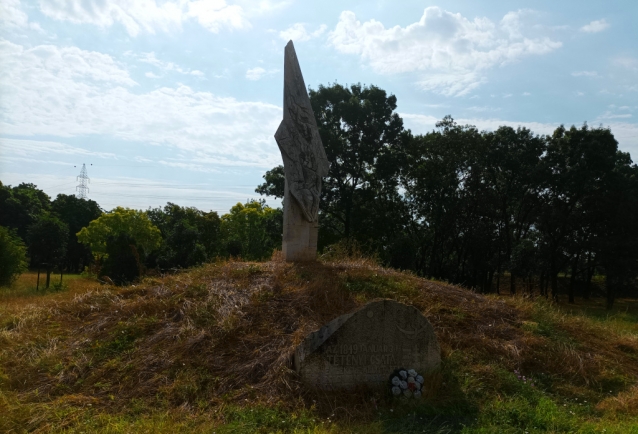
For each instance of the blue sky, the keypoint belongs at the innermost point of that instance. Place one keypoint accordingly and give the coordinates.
(178, 100)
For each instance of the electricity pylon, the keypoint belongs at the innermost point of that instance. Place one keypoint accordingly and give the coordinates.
(82, 189)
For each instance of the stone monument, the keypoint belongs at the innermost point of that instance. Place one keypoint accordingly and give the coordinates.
(305, 163)
(365, 347)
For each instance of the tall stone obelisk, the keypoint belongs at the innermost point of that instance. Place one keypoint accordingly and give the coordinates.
(305, 163)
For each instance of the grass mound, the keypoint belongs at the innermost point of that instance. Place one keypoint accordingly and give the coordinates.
(209, 350)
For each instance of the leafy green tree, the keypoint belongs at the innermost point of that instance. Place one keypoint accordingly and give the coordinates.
(76, 213)
(443, 188)
(48, 237)
(21, 206)
(275, 183)
(121, 239)
(13, 256)
(190, 236)
(252, 230)
(363, 137)
(132, 223)
(580, 174)
(514, 173)
(615, 241)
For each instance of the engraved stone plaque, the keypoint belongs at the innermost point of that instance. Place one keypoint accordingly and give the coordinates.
(365, 347)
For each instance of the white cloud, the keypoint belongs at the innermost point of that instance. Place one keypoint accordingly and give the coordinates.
(65, 63)
(449, 51)
(167, 66)
(216, 14)
(507, 95)
(151, 75)
(595, 26)
(298, 33)
(609, 115)
(483, 109)
(28, 148)
(526, 94)
(12, 16)
(585, 74)
(257, 73)
(67, 92)
(147, 15)
(261, 7)
(629, 63)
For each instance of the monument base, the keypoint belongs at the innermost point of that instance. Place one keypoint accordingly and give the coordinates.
(300, 235)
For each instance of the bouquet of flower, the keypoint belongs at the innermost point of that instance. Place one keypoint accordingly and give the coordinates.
(406, 382)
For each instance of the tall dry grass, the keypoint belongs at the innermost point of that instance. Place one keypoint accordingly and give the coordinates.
(222, 335)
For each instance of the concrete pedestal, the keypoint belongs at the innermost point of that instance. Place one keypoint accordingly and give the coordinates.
(300, 235)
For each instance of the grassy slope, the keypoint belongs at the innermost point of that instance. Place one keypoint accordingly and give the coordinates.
(208, 351)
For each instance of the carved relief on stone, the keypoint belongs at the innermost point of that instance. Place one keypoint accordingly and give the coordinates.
(305, 161)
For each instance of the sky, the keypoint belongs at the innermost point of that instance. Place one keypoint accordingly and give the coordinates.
(179, 100)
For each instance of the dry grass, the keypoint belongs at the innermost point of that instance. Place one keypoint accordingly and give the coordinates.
(221, 336)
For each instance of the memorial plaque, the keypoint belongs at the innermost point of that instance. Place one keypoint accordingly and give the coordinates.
(365, 347)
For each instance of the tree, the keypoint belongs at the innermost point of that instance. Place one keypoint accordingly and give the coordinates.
(121, 239)
(48, 238)
(445, 191)
(363, 137)
(581, 163)
(190, 236)
(76, 213)
(132, 223)
(252, 230)
(13, 256)
(275, 183)
(21, 206)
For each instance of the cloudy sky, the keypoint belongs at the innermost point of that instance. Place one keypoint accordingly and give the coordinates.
(178, 100)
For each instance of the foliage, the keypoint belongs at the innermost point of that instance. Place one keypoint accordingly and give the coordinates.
(76, 213)
(13, 256)
(476, 207)
(21, 206)
(275, 183)
(190, 236)
(48, 237)
(130, 223)
(252, 230)
(363, 137)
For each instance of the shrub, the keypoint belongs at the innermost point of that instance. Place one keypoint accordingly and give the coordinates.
(13, 256)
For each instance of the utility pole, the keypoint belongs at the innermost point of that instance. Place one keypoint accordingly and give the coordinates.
(84, 180)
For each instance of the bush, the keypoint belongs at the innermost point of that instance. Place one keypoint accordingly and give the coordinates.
(13, 256)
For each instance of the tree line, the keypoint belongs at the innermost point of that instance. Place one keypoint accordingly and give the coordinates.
(475, 207)
(72, 235)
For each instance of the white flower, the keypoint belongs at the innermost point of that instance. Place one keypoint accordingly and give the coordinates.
(404, 385)
(411, 380)
(396, 381)
(419, 379)
(396, 391)
(403, 374)
(407, 393)
(412, 373)
(417, 394)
